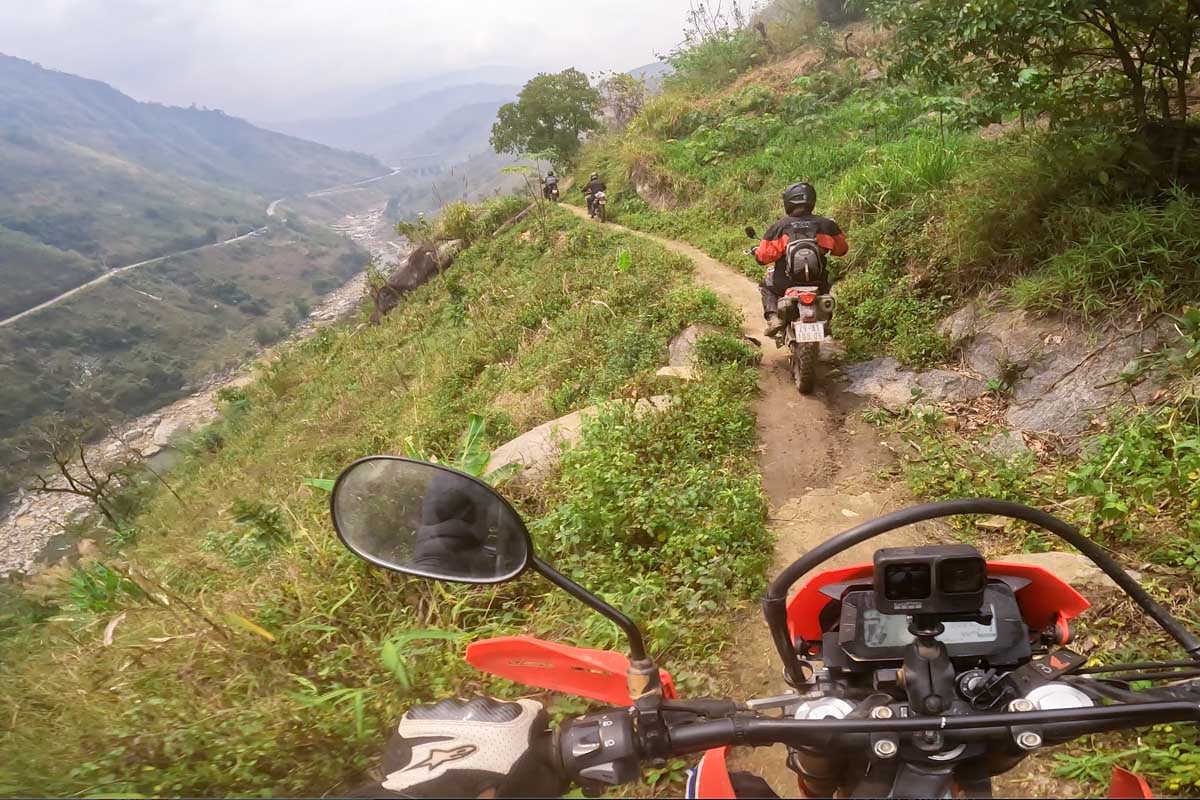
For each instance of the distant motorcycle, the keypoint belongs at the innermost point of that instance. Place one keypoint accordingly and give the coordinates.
(596, 206)
(550, 191)
(806, 313)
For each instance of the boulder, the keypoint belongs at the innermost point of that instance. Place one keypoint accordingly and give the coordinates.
(682, 373)
(1006, 445)
(886, 382)
(960, 326)
(1075, 569)
(1070, 381)
(682, 350)
(539, 450)
(168, 432)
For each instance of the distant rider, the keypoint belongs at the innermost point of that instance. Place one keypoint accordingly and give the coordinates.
(549, 184)
(799, 199)
(593, 185)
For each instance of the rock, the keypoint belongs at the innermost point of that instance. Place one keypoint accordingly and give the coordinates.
(1075, 569)
(1006, 445)
(540, 449)
(682, 373)
(1067, 384)
(883, 380)
(993, 523)
(682, 350)
(168, 431)
(959, 327)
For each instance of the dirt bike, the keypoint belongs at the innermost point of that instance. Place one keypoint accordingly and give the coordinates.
(925, 673)
(805, 313)
(597, 206)
(550, 192)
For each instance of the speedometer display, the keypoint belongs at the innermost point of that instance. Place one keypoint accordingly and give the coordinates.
(891, 630)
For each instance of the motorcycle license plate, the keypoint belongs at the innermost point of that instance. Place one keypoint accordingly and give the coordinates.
(808, 331)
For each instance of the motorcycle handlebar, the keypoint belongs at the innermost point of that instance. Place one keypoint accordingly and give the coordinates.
(608, 748)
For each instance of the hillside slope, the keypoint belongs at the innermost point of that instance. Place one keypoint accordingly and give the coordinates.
(522, 329)
(92, 179)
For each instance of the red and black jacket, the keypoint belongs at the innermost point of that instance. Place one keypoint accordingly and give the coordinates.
(774, 243)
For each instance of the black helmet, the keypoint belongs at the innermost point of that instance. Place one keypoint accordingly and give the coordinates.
(550, 174)
(799, 196)
(595, 177)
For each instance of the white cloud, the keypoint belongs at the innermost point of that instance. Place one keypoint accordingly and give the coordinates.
(260, 58)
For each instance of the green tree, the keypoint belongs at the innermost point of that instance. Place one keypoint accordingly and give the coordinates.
(1063, 56)
(623, 95)
(551, 113)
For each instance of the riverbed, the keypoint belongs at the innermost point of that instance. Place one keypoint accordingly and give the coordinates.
(33, 524)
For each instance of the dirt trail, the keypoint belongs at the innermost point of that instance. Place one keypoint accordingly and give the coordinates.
(820, 470)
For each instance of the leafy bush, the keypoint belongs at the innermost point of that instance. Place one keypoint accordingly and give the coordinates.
(713, 61)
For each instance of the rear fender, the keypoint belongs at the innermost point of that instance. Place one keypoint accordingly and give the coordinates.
(595, 674)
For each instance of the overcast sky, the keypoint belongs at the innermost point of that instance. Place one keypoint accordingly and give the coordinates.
(261, 58)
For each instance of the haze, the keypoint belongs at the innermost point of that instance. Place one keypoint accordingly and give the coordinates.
(288, 59)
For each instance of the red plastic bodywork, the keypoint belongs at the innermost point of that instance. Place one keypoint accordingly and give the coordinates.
(712, 775)
(1047, 600)
(1125, 784)
(598, 674)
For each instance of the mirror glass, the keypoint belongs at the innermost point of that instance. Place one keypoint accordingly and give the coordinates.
(428, 520)
(750, 232)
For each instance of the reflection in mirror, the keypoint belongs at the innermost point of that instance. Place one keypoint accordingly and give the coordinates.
(427, 520)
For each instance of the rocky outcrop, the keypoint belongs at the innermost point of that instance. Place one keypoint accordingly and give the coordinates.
(1059, 375)
(681, 352)
(652, 187)
(893, 387)
(538, 451)
(418, 269)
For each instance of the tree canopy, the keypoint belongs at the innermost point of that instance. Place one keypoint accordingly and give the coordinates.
(550, 114)
(1065, 57)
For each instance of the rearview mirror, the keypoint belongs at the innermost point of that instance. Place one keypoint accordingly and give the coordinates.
(750, 232)
(428, 520)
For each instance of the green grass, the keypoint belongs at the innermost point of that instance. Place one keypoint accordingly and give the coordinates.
(257, 657)
(1069, 221)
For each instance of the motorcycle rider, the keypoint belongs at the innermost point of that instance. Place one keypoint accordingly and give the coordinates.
(484, 747)
(593, 185)
(549, 184)
(799, 199)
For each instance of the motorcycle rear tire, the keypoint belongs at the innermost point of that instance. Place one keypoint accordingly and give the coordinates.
(804, 365)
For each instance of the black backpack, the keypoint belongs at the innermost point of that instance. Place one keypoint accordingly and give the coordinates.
(804, 259)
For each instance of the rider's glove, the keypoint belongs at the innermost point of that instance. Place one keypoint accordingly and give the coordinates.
(473, 748)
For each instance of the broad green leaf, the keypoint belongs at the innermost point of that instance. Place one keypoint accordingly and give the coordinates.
(325, 484)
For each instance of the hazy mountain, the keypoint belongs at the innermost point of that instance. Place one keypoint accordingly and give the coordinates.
(357, 103)
(453, 123)
(90, 178)
(652, 75)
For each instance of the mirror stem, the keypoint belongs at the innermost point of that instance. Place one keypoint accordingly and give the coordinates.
(637, 648)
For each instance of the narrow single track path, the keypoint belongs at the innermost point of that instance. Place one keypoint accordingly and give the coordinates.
(820, 467)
